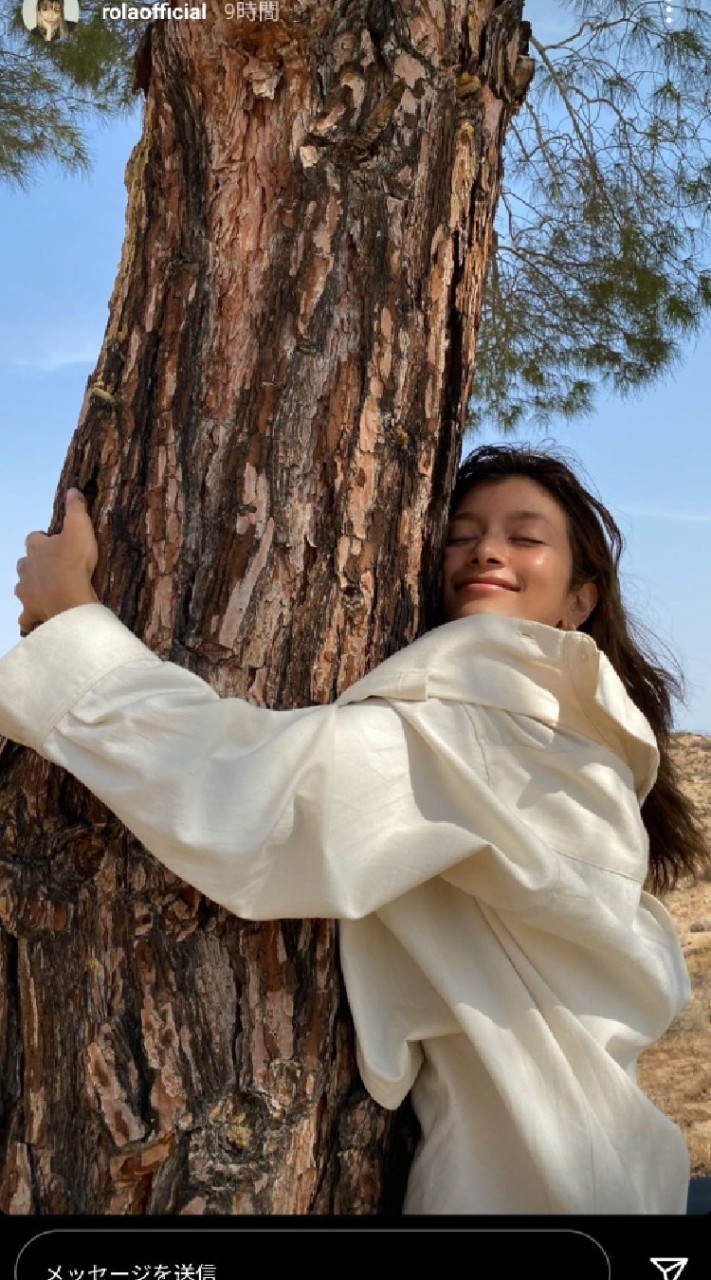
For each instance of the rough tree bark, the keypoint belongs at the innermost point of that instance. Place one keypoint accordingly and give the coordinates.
(268, 444)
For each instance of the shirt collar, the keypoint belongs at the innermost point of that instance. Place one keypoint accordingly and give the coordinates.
(524, 668)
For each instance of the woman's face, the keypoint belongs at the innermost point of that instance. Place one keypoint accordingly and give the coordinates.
(48, 13)
(508, 553)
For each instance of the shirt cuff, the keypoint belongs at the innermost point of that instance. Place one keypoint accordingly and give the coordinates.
(54, 666)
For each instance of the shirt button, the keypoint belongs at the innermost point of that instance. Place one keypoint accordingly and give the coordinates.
(583, 656)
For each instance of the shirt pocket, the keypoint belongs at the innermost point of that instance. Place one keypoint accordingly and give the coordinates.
(574, 794)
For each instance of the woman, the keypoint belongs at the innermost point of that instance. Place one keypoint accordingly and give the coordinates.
(50, 19)
(470, 810)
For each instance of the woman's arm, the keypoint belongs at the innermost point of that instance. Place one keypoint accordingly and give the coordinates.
(323, 811)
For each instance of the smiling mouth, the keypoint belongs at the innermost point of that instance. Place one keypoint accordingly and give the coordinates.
(485, 586)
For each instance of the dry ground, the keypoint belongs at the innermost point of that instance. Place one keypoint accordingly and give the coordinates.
(676, 1072)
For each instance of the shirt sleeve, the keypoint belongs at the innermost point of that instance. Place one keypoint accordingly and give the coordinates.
(320, 811)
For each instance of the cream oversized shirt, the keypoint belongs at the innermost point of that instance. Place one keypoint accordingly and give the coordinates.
(470, 811)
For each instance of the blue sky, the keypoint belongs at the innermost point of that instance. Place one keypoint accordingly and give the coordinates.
(649, 457)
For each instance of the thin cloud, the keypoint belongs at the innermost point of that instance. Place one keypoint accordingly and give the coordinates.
(664, 513)
(59, 351)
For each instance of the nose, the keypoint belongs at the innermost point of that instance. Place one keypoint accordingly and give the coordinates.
(486, 549)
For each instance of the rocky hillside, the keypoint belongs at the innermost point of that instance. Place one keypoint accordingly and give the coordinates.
(692, 756)
(676, 1073)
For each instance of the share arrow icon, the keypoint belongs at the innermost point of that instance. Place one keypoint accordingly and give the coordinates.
(671, 1268)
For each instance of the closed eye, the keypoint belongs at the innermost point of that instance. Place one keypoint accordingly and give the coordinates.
(534, 542)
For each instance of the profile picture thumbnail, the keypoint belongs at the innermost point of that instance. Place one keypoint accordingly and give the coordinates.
(50, 19)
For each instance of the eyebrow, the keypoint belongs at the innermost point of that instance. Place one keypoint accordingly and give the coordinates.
(513, 515)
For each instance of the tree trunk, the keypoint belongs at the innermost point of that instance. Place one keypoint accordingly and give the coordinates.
(268, 445)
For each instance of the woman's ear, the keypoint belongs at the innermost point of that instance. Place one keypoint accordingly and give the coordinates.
(580, 604)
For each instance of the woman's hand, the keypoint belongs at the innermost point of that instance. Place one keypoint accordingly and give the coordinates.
(56, 573)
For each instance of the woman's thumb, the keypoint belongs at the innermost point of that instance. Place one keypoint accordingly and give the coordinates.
(74, 495)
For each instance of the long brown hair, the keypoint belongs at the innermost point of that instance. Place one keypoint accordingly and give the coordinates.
(677, 844)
